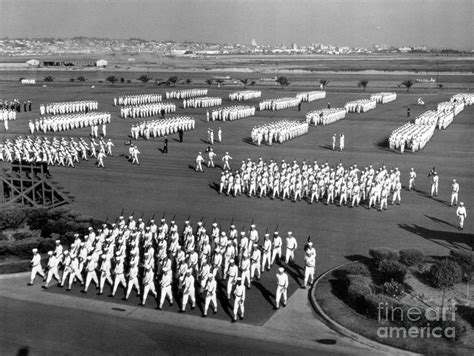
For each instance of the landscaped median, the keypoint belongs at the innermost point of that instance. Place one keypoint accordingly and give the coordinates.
(22, 229)
(402, 299)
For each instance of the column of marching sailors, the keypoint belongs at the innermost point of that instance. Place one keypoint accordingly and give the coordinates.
(332, 185)
(138, 99)
(68, 107)
(68, 122)
(147, 110)
(279, 131)
(416, 135)
(201, 102)
(230, 113)
(55, 151)
(132, 255)
(279, 103)
(185, 93)
(162, 127)
(245, 95)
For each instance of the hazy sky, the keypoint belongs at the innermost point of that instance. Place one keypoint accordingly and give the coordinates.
(433, 23)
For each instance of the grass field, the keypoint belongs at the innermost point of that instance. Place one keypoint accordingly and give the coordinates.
(167, 183)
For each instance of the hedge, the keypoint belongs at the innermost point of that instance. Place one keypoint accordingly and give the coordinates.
(357, 268)
(465, 260)
(411, 256)
(11, 218)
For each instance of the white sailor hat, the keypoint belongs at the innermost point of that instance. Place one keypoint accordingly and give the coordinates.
(103, 256)
(239, 278)
(231, 260)
(58, 242)
(310, 244)
(214, 224)
(454, 180)
(290, 233)
(461, 203)
(252, 226)
(255, 244)
(267, 235)
(189, 271)
(210, 276)
(281, 270)
(199, 223)
(89, 257)
(242, 233)
(50, 253)
(163, 220)
(232, 226)
(186, 222)
(90, 228)
(66, 252)
(76, 235)
(152, 221)
(218, 249)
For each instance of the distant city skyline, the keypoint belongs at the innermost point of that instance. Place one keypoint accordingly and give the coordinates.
(356, 23)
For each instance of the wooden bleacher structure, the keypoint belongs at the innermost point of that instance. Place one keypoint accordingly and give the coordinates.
(30, 184)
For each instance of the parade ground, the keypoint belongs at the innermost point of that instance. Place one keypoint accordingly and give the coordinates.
(167, 185)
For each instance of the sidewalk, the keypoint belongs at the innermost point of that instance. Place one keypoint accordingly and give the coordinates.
(295, 325)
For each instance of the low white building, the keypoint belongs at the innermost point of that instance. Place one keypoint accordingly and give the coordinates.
(101, 63)
(33, 62)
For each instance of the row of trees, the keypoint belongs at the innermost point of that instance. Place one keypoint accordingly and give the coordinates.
(283, 81)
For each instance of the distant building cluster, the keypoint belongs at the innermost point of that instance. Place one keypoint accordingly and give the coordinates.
(134, 46)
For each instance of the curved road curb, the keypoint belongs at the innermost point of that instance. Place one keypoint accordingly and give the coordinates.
(345, 331)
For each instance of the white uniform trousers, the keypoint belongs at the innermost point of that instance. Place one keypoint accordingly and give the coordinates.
(166, 292)
(280, 294)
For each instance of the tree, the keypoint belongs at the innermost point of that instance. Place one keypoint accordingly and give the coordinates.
(71, 80)
(81, 78)
(188, 81)
(144, 78)
(245, 82)
(363, 83)
(440, 86)
(407, 84)
(112, 79)
(49, 79)
(324, 83)
(173, 79)
(283, 81)
(209, 81)
(252, 83)
(444, 275)
(122, 80)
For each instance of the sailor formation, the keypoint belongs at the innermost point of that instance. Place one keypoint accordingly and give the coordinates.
(68, 107)
(415, 135)
(162, 127)
(185, 263)
(279, 131)
(146, 110)
(315, 183)
(137, 99)
(68, 122)
(55, 151)
(231, 113)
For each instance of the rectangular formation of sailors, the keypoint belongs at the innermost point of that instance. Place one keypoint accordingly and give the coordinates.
(173, 263)
(383, 97)
(147, 110)
(68, 122)
(361, 105)
(231, 113)
(186, 93)
(68, 107)
(278, 131)
(138, 99)
(202, 102)
(279, 103)
(311, 96)
(325, 116)
(245, 95)
(7, 115)
(162, 127)
(416, 135)
(332, 185)
(55, 151)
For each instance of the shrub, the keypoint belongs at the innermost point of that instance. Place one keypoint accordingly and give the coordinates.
(18, 236)
(445, 274)
(11, 218)
(37, 219)
(22, 251)
(383, 253)
(358, 288)
(46, 245)
(393, 289)
(452, 329)
(411, 256)
(390, 269)
(357, 268)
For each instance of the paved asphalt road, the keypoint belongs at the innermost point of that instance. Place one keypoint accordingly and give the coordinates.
(66, 331)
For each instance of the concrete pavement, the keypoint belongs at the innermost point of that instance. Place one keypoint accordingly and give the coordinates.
(295, 326)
